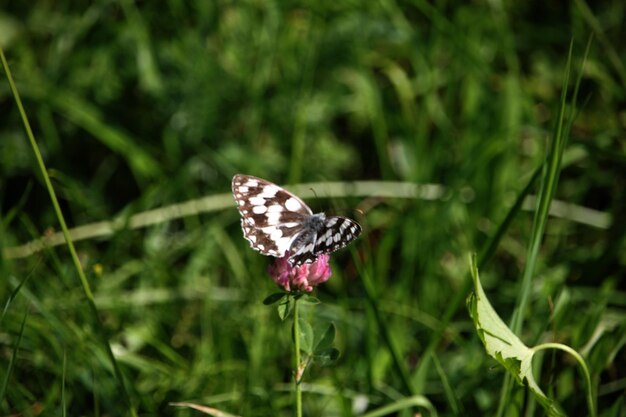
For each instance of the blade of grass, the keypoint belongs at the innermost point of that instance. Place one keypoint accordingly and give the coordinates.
(398, 362)
(451, 396)
(547, 189)
(430, 192)
(583, 365)
(16, 291)
(9, 370)
(88, 117)
(598, 31)
(64, 376)
(404, 404)
(297, 375)
(85, 284)
(83, 114)
(17, 208)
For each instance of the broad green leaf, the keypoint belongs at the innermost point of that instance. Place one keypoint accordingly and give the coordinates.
(502, 344)
(310, 300)
(274, 298)
(306, 336)
(284, 308)
(327, 338)
(327, 356)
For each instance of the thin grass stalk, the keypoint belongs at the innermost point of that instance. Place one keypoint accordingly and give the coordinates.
(64, 376)
(17, 290)
(9, 371)
(297, 369)
(547, 189)
(581, 361)
(614, 57)
(383, 327)
(549, 182)
(406, 403)
(85, 284)
(451, 396)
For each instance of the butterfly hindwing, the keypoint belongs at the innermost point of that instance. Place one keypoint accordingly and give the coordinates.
(337, 232)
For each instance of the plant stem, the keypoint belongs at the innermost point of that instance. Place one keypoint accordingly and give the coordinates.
(591, 404)
(297, 373)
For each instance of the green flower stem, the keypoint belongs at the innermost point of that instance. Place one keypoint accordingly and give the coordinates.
(297, 373)
(590, 402)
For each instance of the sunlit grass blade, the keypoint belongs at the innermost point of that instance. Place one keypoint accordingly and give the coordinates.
(404, 404)
(204, 409)
(216, 202)
(59, 214)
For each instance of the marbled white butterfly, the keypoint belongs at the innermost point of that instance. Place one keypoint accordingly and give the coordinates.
(276, 222)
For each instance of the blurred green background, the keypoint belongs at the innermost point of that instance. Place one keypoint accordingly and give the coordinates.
(141, 105)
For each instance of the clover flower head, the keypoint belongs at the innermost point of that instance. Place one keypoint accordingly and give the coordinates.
(303, 277)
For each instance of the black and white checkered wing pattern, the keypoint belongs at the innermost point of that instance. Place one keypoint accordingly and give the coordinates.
(336, 233)
(271, 217)
(276, 222)
(323, 235)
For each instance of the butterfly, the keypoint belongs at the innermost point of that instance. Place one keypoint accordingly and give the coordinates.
(276, 222)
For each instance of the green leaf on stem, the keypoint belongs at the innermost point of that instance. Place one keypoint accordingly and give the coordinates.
(327, 356)
(274, 298)
(327, 338)
(502, 344)
(306, 336)
(310, 300)
(284, 307)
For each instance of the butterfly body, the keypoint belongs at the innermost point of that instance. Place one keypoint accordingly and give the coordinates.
(277, 222)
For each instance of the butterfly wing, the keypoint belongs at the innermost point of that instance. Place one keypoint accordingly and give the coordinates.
(337, 232)
(271, 217)
(333, 233)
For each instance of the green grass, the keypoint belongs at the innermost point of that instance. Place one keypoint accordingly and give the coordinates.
(142, 114)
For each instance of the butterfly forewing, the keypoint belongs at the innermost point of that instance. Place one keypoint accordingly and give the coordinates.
(262, 203)
(270, 215)
(276, 222)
